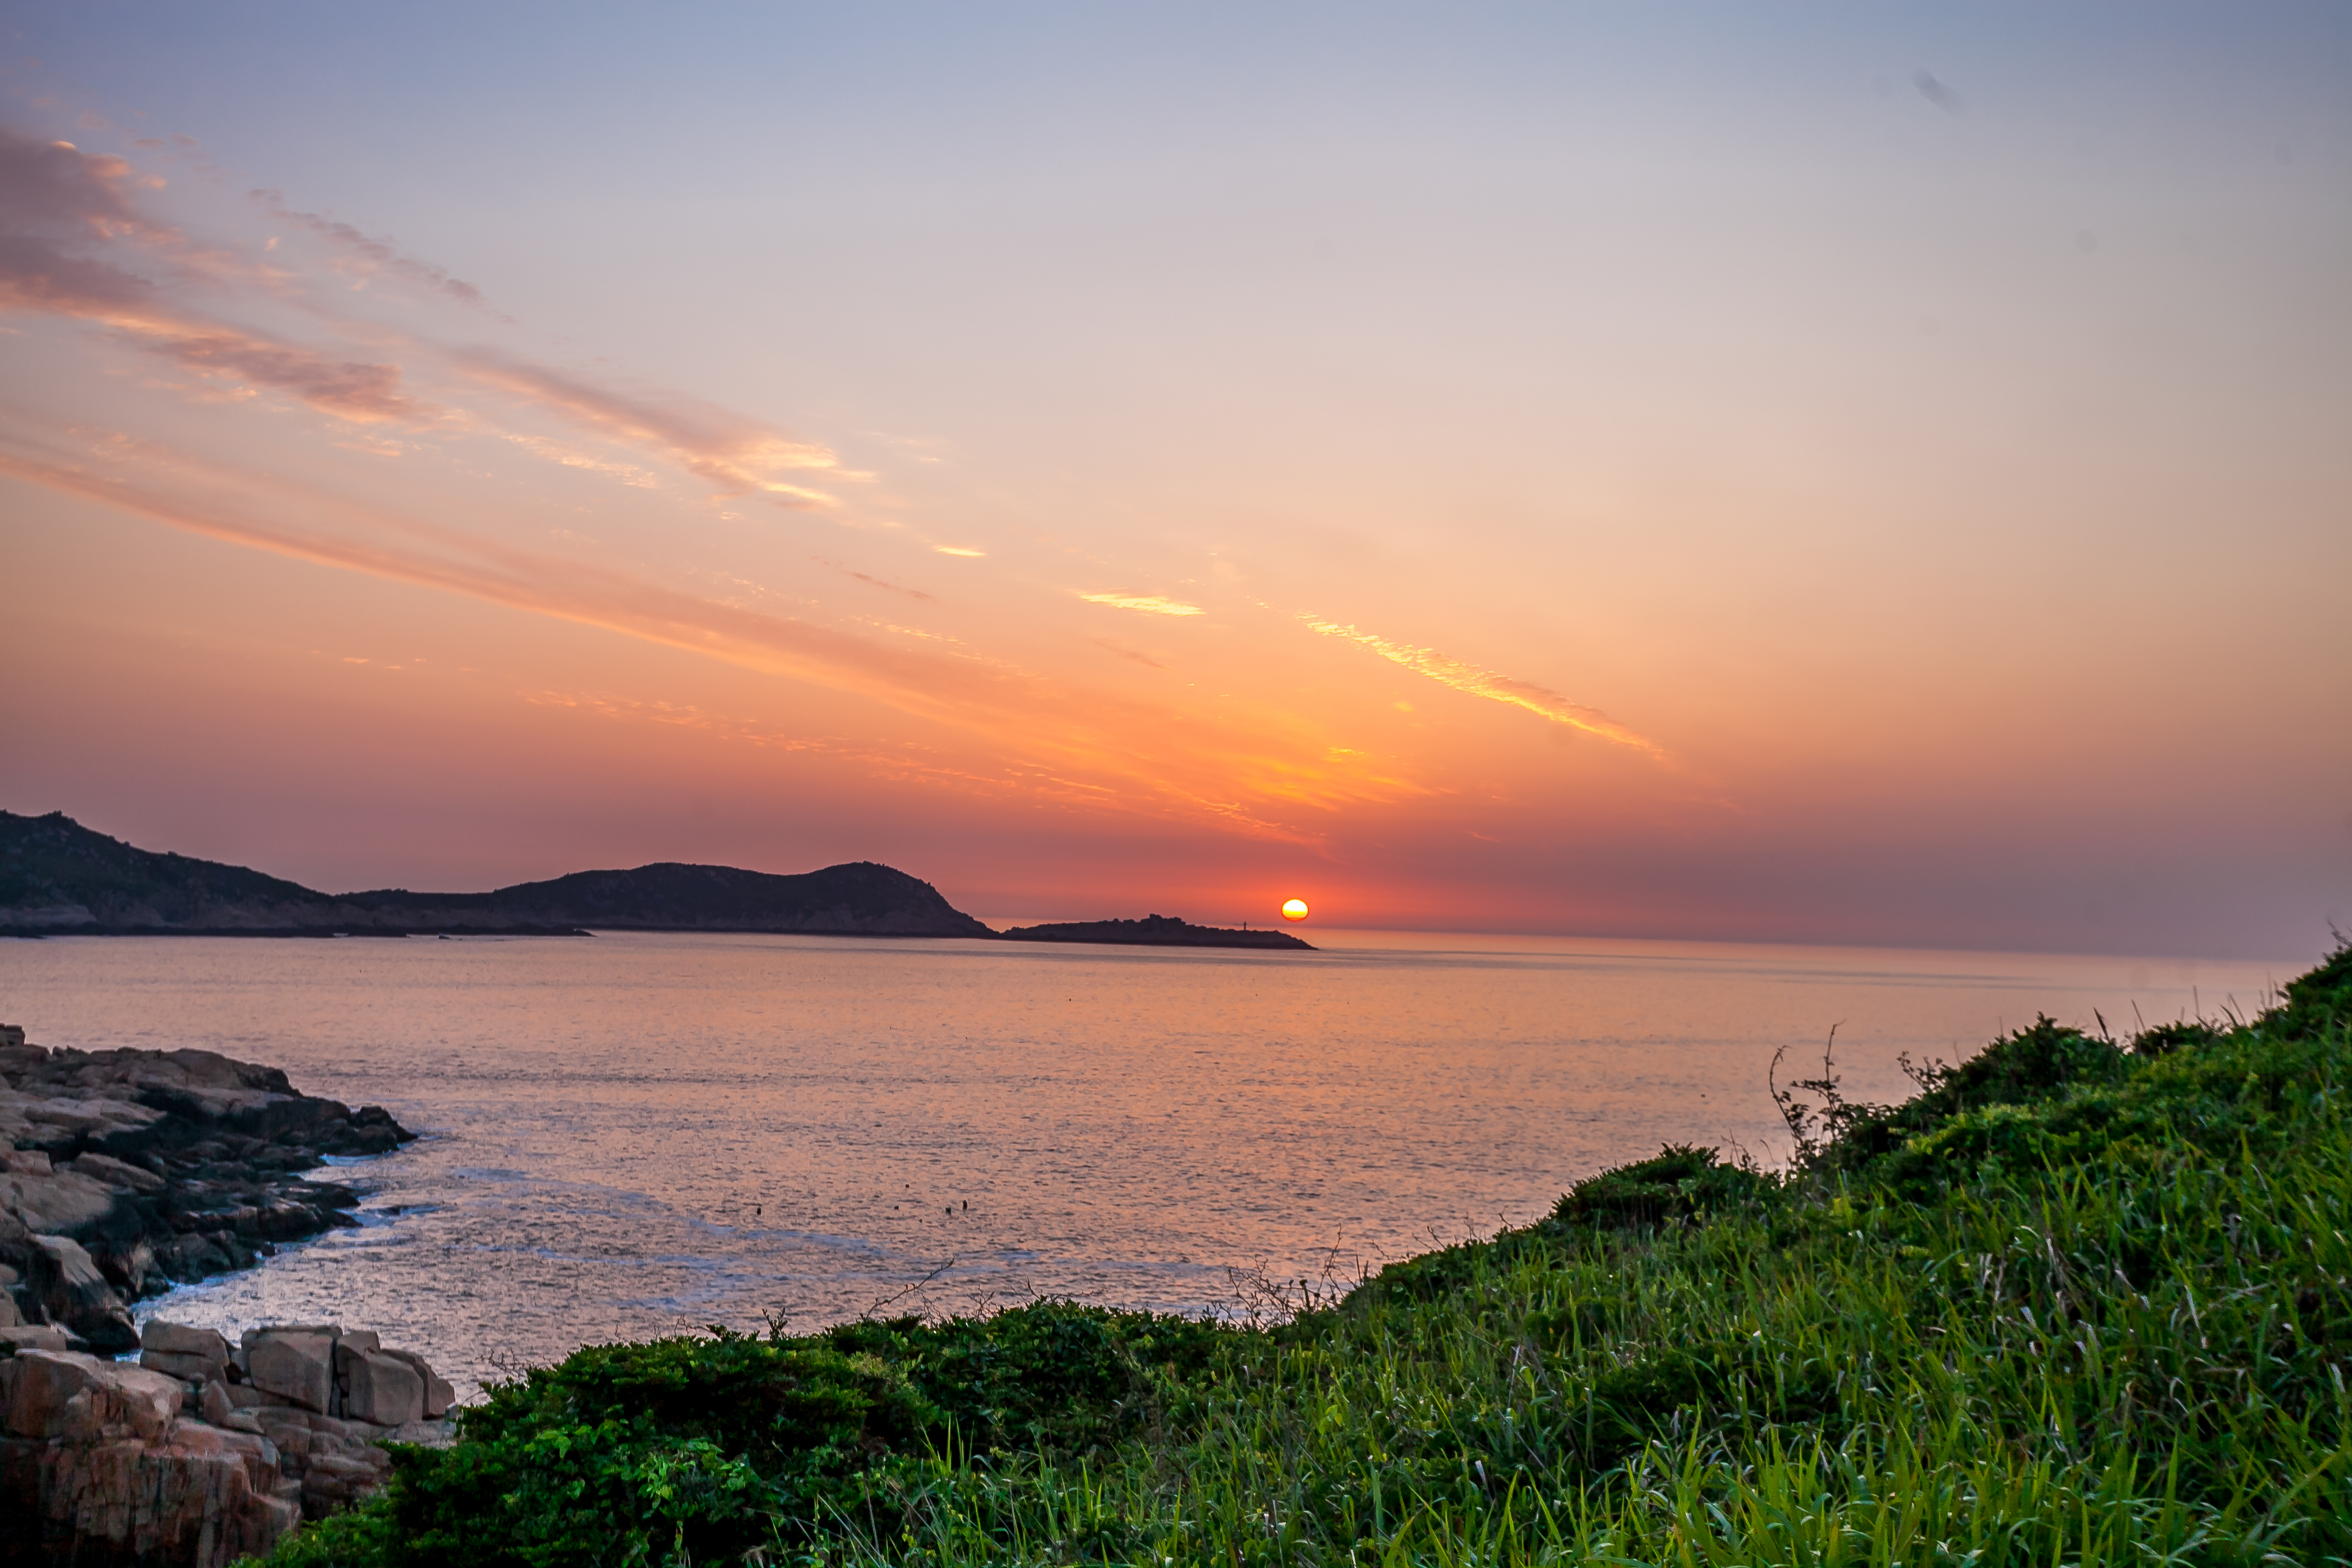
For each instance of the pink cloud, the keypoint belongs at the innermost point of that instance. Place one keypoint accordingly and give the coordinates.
(737, 455)
(66, 215)
(347, 389)
(375, 252)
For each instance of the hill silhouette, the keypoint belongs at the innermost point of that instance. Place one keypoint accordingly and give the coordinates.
(59, 878)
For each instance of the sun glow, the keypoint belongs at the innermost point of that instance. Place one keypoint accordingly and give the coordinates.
(1295, 910)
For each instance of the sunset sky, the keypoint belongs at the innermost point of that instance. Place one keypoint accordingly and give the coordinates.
(1816, 473)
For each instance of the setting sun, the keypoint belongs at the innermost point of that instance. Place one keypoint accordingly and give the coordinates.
(1295, 910)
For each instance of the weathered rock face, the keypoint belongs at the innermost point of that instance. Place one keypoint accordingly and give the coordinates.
(201, 1454)
(96, 1467)
(124, 1171)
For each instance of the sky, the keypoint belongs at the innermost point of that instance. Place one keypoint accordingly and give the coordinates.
(1825, 473)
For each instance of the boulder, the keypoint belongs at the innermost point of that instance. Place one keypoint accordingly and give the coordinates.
(179, 1339)
(36, 1337)
(55, 1201)
(61, 1396)
(199, 1355)
(296, 1365)
(77, 1296)
(380, 1389)
(438, 1395)
(186, 1368)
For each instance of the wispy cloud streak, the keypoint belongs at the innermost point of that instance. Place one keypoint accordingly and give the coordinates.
(1150, 604)
(737, 456)
(373, 254)
(1480, 682)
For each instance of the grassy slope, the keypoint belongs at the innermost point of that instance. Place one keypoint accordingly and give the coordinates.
(2075, 1304)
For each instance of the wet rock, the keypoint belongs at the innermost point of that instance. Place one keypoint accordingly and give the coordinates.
(195, 1257)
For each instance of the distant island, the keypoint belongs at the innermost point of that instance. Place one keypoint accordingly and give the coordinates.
(1154, 931)
(60, 879)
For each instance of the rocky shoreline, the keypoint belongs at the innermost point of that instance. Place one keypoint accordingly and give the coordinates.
(122, 1174)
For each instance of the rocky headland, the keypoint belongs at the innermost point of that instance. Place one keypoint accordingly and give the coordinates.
(60, 879)
(123, 1172)
(1154, 930)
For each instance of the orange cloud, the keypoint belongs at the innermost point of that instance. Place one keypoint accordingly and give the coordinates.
(1143, 758)
(1149, 603)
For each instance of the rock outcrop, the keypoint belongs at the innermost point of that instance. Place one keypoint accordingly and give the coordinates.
(124, 1171)
(1155, 931)
(202, 1453)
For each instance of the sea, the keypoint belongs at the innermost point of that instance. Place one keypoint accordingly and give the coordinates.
(630, 1134)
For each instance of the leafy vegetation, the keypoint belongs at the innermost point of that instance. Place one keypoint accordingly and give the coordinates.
(2079, 1301)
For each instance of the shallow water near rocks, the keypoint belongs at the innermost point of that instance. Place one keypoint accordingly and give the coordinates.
(636, 1134)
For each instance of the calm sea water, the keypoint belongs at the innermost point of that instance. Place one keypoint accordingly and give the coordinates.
(629, 1135)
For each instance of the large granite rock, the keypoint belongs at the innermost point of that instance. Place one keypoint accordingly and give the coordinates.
(378, 1388)
(105, 1463)
(293, 1367)
(193, 1355)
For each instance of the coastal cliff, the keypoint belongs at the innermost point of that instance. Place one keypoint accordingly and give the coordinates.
(58, 878)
